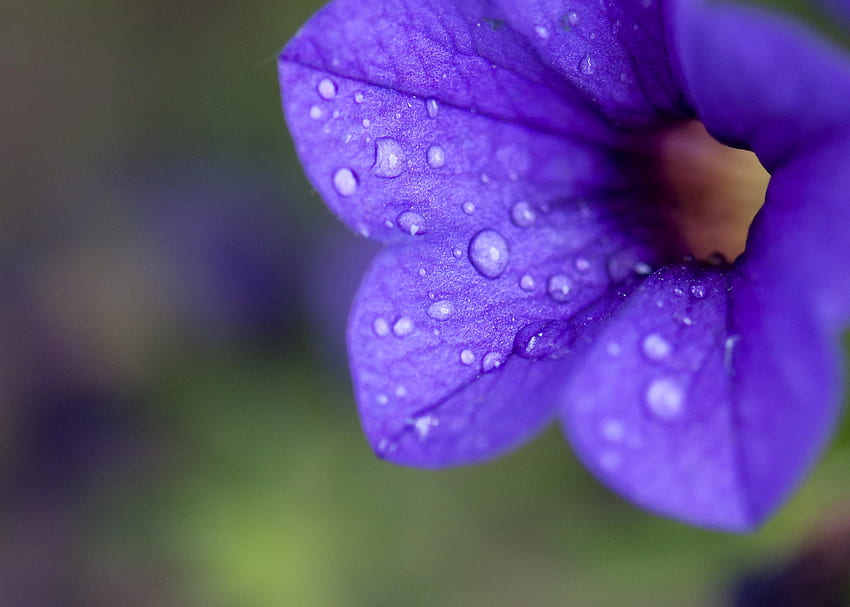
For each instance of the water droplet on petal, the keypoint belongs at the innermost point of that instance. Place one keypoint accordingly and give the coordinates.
(489, 253)
(345, 182)
(526, 283)
(359, 98)
(382, 399)
(457, 252)
(543, 339)
(366, 123)
(697, 291)
(389, 158)
(610, 461)
(541, 31)
(327, 89)
(656, 347)
(424, 424)
(492, 361)
(402, 327)
(316, 112)
(522, 214)
(467, 357)
(441, 310)
(436, 157)
(559, 287)
(468, 208)
(572, 18)
(642, 269)
(582, 264)
(432, 107)
(586, 66)
(613, 430)
(411, 223)
(381, 327)
(664, 399)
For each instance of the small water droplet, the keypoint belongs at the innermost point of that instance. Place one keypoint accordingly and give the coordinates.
(457, 252)
(489, 253)
(586, 65)
(411, 223)
(316, 112)
(613, 349)
(572, 18)
(366, 123)
(381, 327)
(527, 283)
(541, 31)
(382, 399)
(582, 264)
(610, 461)
(613, 430)
(688, 321)
(345, 182)
(559, 287)
(543, 339)
(390, 159)
(697, 291)
(432, 107)
(729, 353)
(492, 361)
(656, 347)
(400, 391)
(327, 89)
(402, 327)
(522, 214)
(467, 357)
(664, 399)
(485, 178)
(441, 310)
(422, 271)
(436, 157)
(424, 424)
(642, 269)
(468, 208)
(359, 98)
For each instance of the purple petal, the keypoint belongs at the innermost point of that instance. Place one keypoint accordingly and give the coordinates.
(767, 84)
(471, 334)
(649, 408)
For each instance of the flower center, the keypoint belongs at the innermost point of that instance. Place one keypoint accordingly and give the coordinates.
(713, 192)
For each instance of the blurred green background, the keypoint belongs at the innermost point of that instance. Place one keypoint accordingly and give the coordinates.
(176, 421)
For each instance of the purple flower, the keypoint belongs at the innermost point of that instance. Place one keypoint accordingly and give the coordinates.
(536, 175)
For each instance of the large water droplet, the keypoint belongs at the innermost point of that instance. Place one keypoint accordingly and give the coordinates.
(523, 214)
(664, 399)
(543, 339)
(411, 223)
(526, 283)
(432, 107)
(489, 253)
(389, 158)
(586, 65)
(436, 157)
(559, 287)
(467, 357)
(402, 327)
(381, 327)
(492, 361)
(345, 182)
(327, 89)
(656, 347)
(441, 310)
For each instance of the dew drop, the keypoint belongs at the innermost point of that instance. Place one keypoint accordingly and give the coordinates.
(345, 182)
(327, 89)
(610, 461)
(489, 253)
(441, 310)
(492, 361)
(559, 287)
(389, 158)
(436, 157)
(572, 18)
(664, 399)
(697, 291)
(359, 98)
(613, 430)
(586, 65)
(432, 107)
(467, 357)
(402, 327)
(543, 339)
(656, 347)
(366, 123)
(527, 283)
(468, 208)
(522, 214)
(381, 327)
(642, 269)
(541, 31)
(424, 424)
(457, 252)
(411, 223)
(582, 264)
(316, 112)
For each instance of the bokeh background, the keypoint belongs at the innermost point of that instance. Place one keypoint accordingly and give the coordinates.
(176, 421)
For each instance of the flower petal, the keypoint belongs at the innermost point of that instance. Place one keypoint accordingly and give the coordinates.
(767, 84)
(649, 409)
(470, 334)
